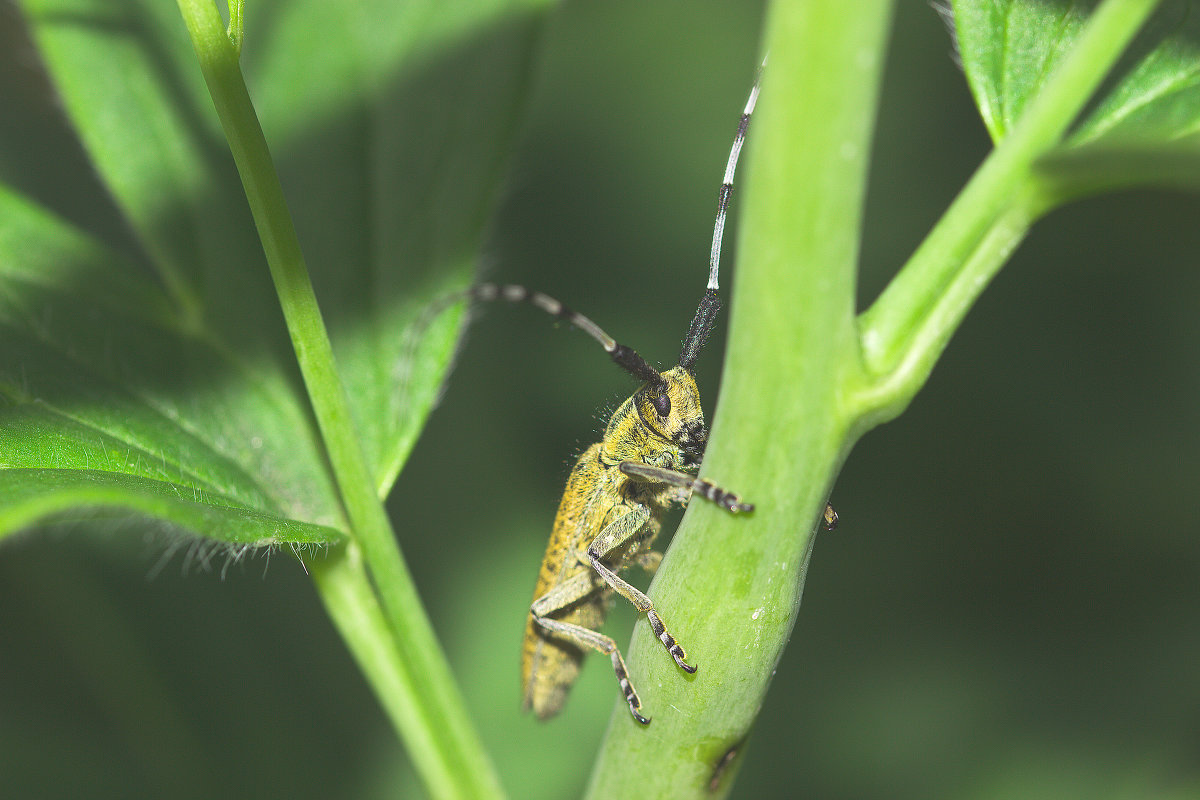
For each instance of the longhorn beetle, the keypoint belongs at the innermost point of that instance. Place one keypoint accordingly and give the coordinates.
(612, 507)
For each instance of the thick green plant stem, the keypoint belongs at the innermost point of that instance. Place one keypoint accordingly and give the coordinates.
(908, 327)
(729, 587)
(804, 379)
(444, 744)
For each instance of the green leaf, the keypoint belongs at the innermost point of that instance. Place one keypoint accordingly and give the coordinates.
(98, 383)
(408, 174)
(183, 373)
(38, 495)
(1157, 99)
(1008, 48)
(1143, 127)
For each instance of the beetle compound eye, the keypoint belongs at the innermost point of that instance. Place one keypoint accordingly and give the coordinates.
(662, 404)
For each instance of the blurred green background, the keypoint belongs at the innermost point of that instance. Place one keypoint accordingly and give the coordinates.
(1010, 608)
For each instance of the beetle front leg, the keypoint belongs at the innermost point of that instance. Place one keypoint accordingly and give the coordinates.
(705, 488)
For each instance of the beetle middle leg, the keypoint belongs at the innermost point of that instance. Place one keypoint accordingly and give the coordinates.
(615, 534)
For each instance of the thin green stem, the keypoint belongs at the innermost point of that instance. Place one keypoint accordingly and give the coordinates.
(908, 327)
(445, 747)
(354, 608)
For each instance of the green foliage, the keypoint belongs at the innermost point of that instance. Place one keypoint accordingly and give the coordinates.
(190, 373)
(1010, 49)
(147, 377)
(1143, 128)
(161, 381)
(106, 397)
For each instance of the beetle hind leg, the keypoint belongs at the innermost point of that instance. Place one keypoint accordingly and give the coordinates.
(604, 644)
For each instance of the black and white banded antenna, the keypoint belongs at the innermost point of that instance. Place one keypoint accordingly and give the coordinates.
(622, 355)
(710, 304)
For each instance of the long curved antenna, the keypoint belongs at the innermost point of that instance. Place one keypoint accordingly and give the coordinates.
(710, 305)
(714, 259)
(623, 356)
